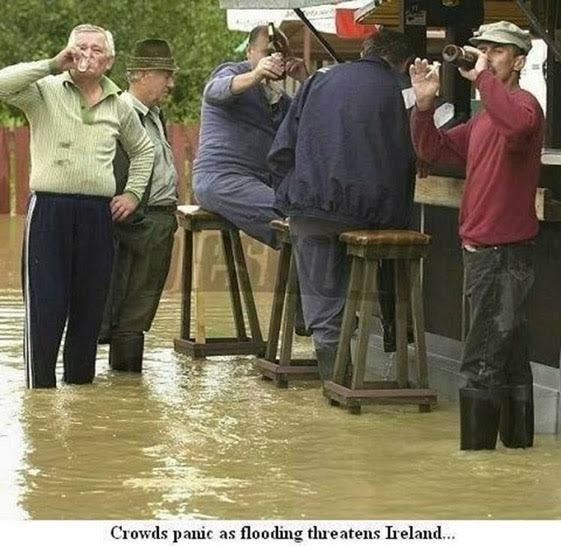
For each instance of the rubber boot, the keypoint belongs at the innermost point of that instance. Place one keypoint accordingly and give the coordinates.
(325, 355)
(125, 352)
(517, 417)
(479, 418)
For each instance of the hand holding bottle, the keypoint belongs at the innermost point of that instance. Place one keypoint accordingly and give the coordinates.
(270, 68)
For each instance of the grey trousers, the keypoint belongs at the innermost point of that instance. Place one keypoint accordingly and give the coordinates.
(245, 201)
(323, 272)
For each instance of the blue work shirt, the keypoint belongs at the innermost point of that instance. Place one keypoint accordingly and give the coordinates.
(237, 130)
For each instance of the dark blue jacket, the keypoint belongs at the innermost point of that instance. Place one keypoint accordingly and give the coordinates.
(343, 151)
(236, 130)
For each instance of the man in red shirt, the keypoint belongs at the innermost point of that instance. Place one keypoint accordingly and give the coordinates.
(500, 148)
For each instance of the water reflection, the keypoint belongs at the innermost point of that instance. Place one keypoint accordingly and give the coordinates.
(211, 439)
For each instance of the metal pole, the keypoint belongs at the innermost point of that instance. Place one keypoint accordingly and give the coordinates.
(318, 36)
(551, 43)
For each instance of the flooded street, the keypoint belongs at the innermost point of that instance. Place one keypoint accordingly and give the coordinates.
(211, 439)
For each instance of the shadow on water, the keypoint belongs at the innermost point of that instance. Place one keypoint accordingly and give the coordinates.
(211, 439)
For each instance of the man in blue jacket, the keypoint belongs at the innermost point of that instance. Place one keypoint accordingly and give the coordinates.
(343, 160)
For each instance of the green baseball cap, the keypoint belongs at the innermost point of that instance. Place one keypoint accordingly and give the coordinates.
(503, 32)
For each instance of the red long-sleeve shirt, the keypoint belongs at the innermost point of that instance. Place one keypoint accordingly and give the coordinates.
(500, 149)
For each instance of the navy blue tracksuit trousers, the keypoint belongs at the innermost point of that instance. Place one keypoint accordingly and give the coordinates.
(67, 259)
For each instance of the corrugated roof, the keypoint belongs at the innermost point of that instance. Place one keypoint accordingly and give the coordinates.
(274, 4)
(386, 12)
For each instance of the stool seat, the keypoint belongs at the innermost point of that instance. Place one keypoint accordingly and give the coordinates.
(194, 220)
(386, 244)
(385, 237)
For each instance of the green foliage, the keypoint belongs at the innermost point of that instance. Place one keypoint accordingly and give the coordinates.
(38, 29)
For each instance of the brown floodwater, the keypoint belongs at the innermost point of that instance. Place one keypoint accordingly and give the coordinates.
(211, 439)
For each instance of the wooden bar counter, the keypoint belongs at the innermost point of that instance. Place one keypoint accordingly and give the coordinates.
(447, 192)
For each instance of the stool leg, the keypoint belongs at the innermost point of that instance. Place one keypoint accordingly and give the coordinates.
(289, 314)
(245, 286)
(369, 295)
(185, 332)
(200, 335)
(401, 305)
(353, 293)
(278, 302)
(419, 324)
(233, 285)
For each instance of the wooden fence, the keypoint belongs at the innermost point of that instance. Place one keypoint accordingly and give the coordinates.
(15, 162)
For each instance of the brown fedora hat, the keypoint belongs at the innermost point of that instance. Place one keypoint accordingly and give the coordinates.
(152, 54)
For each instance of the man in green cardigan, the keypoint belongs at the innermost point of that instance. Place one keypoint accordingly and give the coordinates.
(76, 116)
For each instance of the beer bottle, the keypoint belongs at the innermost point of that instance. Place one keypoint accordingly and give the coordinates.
(458, 56)
(275, 46)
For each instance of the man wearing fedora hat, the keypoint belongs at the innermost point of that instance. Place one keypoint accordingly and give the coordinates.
(500, 148)
(143, 243)
(76, 116)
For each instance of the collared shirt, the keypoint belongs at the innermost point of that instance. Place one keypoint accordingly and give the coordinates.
(72, 143)
(163, 191)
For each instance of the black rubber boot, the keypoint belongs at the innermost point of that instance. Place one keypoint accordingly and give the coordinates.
(125, 352)
(479, 418)
(517, 417)
(325, 355)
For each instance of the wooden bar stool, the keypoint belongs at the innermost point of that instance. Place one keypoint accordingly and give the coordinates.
(195, 220)
(367, 248)
(283, 309)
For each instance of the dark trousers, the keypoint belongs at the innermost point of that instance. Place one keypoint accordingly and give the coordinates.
(323, 273)
(66, 264)
(142, 259)
(498, 282)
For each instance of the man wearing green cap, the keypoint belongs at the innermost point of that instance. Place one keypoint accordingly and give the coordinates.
(500, 149)
(143, 243)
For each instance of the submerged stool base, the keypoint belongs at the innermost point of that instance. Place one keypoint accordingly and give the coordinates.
(284, 368)
(218, 346)
(378, 393)
(298, 369)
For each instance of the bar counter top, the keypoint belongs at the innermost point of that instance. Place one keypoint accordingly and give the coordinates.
(447, 192)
